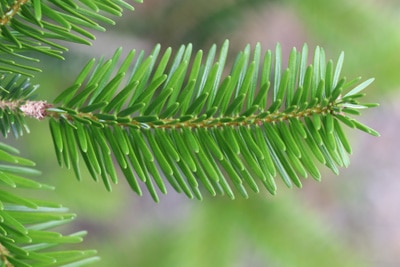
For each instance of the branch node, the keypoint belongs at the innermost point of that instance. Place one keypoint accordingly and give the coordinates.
(35, 109)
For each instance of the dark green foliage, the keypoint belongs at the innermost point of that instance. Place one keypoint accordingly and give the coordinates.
(35, 25)
(163, 121)
(26, 236)
(163, 118)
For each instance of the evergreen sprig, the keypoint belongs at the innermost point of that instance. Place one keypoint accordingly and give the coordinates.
(28, 26)
(161, 118)
(26, 236)
(180, 119)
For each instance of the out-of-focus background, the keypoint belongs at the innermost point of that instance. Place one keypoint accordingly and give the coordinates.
(348, 220)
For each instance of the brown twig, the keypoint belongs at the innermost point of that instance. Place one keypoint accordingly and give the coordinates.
(4, 253)
(11, 11)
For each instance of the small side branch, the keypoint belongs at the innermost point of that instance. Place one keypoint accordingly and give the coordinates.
(11, 11)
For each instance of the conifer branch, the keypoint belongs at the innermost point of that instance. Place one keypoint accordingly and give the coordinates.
(162, 119)
(40, 110)
(26, 238)
(198, 129)
(37, 25)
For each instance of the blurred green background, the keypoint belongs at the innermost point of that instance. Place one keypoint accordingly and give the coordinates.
(347, 220)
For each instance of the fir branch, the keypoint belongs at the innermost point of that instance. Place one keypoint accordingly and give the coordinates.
(37, 25)
(201, 128)
(41, 109)
(195, 127)
(15, 92)
(26, 224)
